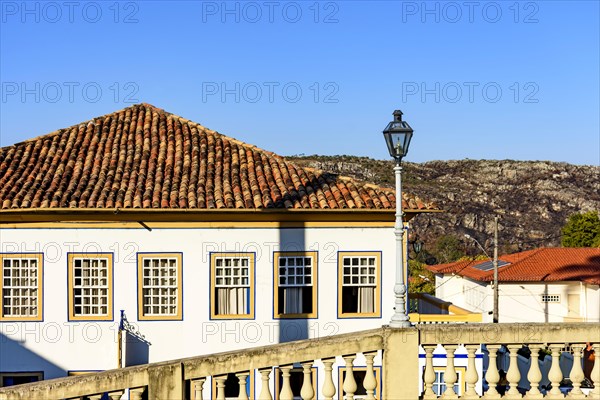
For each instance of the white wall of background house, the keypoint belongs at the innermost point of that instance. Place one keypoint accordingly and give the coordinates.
(57, 345)
(524, 301)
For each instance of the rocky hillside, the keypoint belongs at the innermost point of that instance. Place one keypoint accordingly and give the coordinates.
(532, 198)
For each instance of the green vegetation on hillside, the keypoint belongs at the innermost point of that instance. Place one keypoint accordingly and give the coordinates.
(582, 230)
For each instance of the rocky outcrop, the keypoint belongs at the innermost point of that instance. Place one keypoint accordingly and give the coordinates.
(532, 198)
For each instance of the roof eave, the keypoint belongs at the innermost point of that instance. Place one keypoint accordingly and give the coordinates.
(203, 215)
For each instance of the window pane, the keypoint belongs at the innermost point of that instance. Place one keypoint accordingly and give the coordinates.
(20, 291)
(164, 287)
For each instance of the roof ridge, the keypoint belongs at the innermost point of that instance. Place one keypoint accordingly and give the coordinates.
(159, 110)
(236, 141)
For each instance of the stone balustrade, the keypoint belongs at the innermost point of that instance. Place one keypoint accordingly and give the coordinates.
(396, 351)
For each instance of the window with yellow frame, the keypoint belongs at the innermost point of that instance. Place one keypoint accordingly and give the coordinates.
(232, 285)
(21, 287)
(159, 286)
(90, 285)
(295, 284)
(359, 376)
(359, 284)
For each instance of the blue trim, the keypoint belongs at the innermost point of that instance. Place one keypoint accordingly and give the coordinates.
(379, 382)
(252, 287)
(137, 276)
(337, 290)
(112, 287)
(455, 356)
(42, 279)
(316, 287)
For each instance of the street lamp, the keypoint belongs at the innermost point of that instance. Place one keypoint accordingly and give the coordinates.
(397, 135)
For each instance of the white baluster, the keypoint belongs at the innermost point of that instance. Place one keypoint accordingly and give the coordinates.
(286, 389)
(492, 376)
(116, 395)
(534, 376)
(328, 386)
(513, 375)
(555, 373)
(471, 377)
(242, 376)
(220, 386)
(429, 376)
(136, 394)
(596, 372)
(307, 392)
(349, 382)
(576, 374)
(265, 391)
(370, 383)
(197, 386)
(450, 375)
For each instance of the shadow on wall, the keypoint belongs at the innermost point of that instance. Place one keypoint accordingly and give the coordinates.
(293, 240)
(15, 357)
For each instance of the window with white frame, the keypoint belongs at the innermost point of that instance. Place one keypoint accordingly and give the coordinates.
(90, 286)
(295, 280)
(21, 287)
(359, 277)
(159, 286)
(551, 298)
(232, 285)
(439, 386)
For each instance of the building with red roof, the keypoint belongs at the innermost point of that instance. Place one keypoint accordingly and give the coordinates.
(541, 285)
(192, 233)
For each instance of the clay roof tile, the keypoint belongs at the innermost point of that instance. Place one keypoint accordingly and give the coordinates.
(145, 157)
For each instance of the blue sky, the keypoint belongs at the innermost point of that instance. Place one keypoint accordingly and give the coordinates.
(479, 80)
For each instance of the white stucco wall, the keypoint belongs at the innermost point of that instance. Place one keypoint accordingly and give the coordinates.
(56, 345)
(592, 303)
(521, 301)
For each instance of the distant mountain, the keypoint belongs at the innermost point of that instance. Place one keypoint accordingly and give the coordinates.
(532, 198)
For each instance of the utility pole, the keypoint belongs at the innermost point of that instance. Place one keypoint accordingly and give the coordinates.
(496, 270)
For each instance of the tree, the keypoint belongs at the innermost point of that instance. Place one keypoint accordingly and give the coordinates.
(582, 230)
(448, 249)
(420, 279)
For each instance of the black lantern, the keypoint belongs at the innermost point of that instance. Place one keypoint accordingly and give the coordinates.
(397, 136)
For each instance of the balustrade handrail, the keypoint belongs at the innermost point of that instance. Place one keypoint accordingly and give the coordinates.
(202, 366)
(509, 333)
(400, 350)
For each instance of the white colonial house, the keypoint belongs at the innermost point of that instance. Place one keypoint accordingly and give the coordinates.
(541, 285)
(206, 243)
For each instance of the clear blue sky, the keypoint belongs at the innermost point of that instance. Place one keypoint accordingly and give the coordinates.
(480, 79)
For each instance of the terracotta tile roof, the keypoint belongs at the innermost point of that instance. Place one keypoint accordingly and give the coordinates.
(544, 264)
(145, 157)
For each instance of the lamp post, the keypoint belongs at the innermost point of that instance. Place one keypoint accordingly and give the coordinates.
(397, 135)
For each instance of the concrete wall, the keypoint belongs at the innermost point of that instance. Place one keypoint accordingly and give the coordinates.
(56, 345)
